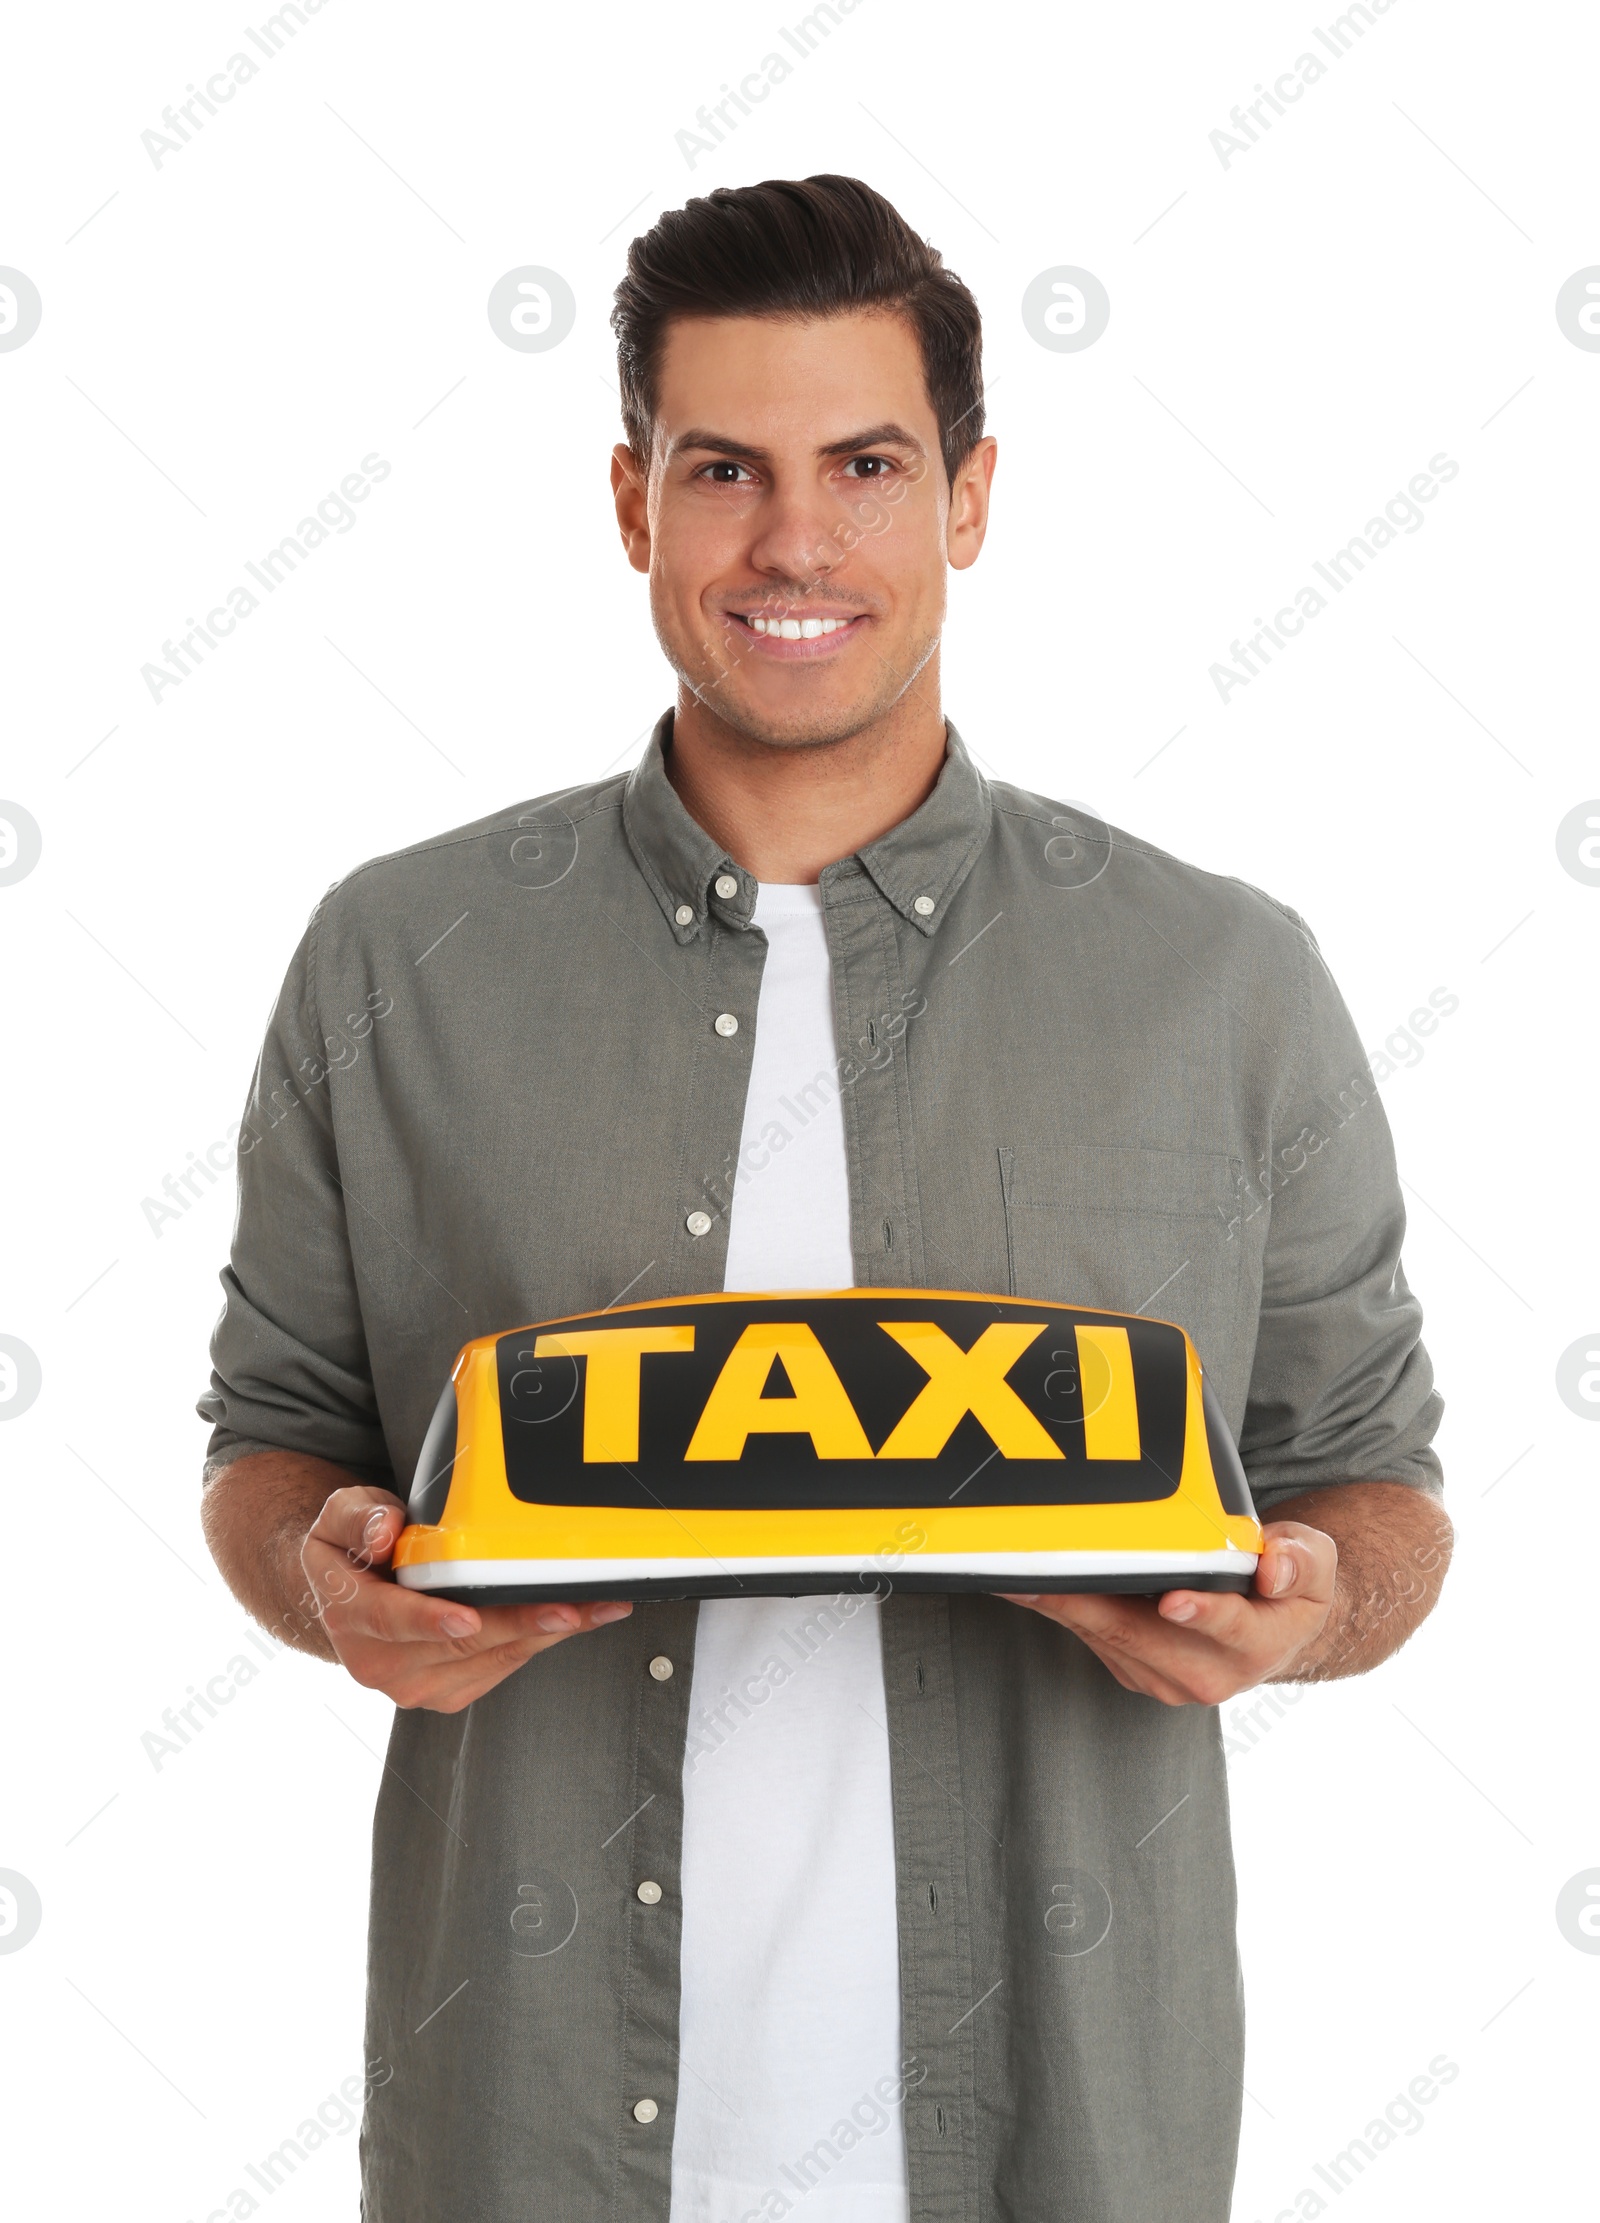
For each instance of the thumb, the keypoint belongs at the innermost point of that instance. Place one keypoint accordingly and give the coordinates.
(364, 1522)
(1282, 1567)
(380, 1532)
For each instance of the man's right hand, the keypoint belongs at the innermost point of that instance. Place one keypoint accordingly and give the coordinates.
(419, 1650)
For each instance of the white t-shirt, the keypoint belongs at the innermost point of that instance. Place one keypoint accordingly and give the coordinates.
(790, 2017)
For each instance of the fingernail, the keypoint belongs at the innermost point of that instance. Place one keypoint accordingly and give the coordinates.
(1184, 1612)
(557, 1620)
(456, 1624)
(616, 1611)
(1283, 1573)
(375, 1521)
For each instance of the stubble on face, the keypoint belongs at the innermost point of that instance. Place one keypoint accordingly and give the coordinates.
(709, 669)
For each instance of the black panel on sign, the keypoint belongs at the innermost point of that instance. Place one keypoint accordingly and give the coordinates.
(541, 1404)
(436, 1462)
(1232, 1485)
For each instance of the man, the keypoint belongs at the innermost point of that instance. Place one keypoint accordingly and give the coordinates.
(922, 1908)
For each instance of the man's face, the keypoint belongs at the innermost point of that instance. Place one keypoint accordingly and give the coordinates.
(797, 524)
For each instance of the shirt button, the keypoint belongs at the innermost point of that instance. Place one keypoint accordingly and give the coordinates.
(726, 1023)
(923, 906)
(726, 885)
(645, 2111)
(650, 1893)
(661, 1668)
(698, 1223)
(684, 914)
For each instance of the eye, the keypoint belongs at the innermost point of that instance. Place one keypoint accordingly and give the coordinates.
(871, 466)
(737, 473)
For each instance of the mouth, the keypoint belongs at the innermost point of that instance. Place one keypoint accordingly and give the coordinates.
(795, 639)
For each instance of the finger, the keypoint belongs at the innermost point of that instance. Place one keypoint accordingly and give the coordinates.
(1221, 1615)
(554, 1618)
(1097, 1615)
(1118, 1631)
(368, 1606)
(446, 1679)
(364, 1605)
(1244, 1639)
(446, 1685)
(1092, 1616)
(372, 1607)
(1253, 1631)
(1111, 1627)
(545, 1619)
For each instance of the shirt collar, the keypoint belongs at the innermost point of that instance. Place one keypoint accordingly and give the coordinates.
(917, 866)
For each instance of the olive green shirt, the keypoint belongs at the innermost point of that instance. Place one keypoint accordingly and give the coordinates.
(1072, 1067)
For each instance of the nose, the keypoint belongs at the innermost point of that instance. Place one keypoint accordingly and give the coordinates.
(794, 545)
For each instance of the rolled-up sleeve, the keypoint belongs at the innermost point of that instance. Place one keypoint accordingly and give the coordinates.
(1341, 1389)
(290, 1368)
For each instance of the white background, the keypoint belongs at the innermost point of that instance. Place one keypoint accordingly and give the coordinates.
(1292, 337)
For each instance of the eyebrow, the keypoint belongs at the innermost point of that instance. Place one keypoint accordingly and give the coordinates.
(706, 442)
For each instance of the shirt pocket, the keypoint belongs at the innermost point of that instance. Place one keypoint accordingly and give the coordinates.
(1150, 1231)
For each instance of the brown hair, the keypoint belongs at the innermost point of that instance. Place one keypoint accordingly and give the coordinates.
(798, 248)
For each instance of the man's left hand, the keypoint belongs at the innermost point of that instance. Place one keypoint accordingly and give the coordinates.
(1202, 1647)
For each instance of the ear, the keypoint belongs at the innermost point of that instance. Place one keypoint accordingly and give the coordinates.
(969, 506)
(630, 489)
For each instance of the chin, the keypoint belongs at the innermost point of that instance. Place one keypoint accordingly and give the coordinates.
(801, 725)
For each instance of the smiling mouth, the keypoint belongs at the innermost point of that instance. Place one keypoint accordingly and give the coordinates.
(788, 637)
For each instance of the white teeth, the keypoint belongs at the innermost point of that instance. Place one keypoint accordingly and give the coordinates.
(797, 629)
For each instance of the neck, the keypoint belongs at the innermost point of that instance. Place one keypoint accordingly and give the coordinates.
(784, 811)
